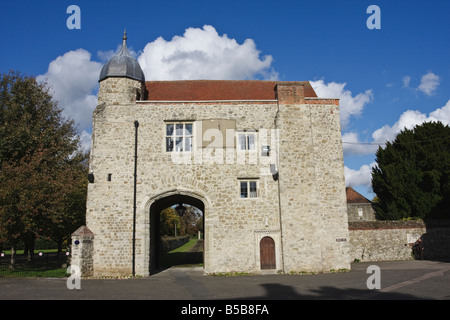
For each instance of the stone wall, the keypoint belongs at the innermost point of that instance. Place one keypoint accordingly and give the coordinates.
(360, 212)
(230, 222)
(394, 240)
(304, 211)
(312, 187)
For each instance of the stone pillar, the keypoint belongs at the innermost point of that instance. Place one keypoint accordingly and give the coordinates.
(83, 251)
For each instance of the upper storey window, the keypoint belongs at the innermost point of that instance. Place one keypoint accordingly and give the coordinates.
(246, 140)
(179, 136)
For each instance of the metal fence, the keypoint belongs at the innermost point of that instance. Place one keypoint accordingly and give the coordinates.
(41, 264)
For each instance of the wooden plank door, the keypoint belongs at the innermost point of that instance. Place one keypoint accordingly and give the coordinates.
(267, 253)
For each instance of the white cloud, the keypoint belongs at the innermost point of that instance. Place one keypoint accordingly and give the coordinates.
(85, 141)
(360, 177)
(408, 120)
(73, 78)
(204, 54)
(198, 54)
(429, 83)
(441, 114)
(406, 81)
(353, 146)
(349, 105)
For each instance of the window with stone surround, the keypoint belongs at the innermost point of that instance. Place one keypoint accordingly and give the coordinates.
(246, 140)
(179, 136)
(248, 188)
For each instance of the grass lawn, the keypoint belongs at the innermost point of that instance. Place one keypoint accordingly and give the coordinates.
(182, 257)
(179, 257)
(25, 272)
(20, 252)
(41, 266)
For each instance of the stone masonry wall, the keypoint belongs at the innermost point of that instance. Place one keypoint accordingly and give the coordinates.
(312, 234)
(394, 240)
(312, 186)
(230, 221)
(360, 212)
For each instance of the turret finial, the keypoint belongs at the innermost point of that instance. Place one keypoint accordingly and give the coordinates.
(124, 38)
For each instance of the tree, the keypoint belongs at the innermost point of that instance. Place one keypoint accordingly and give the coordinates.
(412, 176)
(169, 219)
(40, 167)
(70, 209)
(192, 220)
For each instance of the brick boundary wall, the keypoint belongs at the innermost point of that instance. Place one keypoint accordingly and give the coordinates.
(399, 240)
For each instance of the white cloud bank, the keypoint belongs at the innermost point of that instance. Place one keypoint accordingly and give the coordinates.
(349, 105)
(204, 54)
(353, 146)
(73, 78)
(409, 119)
(198, 54)
(360, 177)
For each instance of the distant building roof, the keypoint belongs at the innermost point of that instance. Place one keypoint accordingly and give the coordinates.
(355, 197)
(201, 90)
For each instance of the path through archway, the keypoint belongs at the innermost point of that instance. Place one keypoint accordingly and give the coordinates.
(157, 263)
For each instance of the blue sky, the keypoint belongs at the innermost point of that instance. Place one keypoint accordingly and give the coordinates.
(387, 78)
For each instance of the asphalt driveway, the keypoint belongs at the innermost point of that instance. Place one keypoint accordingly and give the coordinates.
(401, 280)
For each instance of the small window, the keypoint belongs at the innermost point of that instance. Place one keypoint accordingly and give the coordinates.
(179, 137)
(246, 140)
(248, 189)
(360, 212)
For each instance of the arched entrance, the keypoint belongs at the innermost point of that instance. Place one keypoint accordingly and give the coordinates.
(267, 253)
(155, 225)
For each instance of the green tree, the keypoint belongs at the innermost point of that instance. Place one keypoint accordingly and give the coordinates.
(412, 176)
(169, 219)
(40, 166)
(69, 212)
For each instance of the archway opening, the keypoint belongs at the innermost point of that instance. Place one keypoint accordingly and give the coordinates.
(166, 222)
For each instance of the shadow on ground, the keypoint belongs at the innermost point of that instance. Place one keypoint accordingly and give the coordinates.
(193, 257)
(284, 292)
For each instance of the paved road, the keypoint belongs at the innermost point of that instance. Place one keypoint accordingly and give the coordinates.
(403, 280)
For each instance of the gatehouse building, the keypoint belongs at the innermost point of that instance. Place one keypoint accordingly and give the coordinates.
(262, 160)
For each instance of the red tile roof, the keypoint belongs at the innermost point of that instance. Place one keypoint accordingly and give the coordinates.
(201, 90)
(355, 197)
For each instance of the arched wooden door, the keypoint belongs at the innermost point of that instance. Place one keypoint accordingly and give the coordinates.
(267, 253)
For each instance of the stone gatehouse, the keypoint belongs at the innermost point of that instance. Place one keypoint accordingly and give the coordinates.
(262, 160)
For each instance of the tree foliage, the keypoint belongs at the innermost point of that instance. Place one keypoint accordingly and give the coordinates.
(412, 176)
(169, 219)
(189, 224)
(42, 175)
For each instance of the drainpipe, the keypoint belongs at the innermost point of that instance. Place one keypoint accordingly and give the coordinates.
(136, 125)
(277, 148)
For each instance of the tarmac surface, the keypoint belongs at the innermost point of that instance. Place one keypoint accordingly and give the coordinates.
(400, 280)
